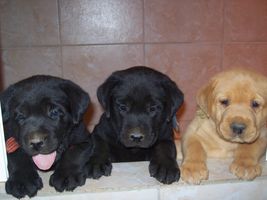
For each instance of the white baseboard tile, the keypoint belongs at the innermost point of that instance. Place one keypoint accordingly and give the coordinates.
(131, 181)
(3, 157)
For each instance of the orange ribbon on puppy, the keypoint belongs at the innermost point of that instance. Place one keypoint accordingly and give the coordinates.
(11, 145)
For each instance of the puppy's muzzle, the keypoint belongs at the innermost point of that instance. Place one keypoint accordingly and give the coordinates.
(36, 141)
(238, 124)
(136, 137)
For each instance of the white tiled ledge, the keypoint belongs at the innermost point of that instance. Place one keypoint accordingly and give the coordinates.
(131, 181)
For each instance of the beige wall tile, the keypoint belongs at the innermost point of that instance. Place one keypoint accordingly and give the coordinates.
(22, 63)
(105, 21)
(27, 23)
(251, 56)
(246, 20)
(189, 65)
(89, 66)
(183, 20)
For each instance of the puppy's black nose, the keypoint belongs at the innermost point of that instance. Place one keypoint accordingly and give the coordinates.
(37, 146)
(37, 143)
(136, 137)
(238, 128)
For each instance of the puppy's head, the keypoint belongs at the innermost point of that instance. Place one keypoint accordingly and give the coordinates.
(139, 102)
(236, 101)
(41, 111)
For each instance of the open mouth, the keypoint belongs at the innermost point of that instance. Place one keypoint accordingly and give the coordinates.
(44, 161)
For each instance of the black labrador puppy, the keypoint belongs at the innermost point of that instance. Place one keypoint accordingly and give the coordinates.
(42, 117)
(139, 105)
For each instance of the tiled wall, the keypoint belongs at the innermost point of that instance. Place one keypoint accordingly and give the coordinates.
(85, 40)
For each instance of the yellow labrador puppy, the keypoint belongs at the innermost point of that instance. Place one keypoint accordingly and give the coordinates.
(230, 122)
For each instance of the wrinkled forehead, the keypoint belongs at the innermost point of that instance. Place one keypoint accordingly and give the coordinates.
(237, 90)
(137, 92)
(40, 96)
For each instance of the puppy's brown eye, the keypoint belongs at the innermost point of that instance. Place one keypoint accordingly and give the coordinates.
(20, 118)
(152, 109)
(123, 108)
(224, 102)
(55, 113)
(255, 104)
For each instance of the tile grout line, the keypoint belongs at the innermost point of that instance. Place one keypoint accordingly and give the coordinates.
(223, 35)
(144, 45)
(135, 43)
(139, 43)
(60, 37)
(158, 190)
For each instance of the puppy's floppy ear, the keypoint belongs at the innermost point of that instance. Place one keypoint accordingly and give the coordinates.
(205, 97)
(175, 98)
(78, 98)
(263, 87)
(104, 92)
(5, 99)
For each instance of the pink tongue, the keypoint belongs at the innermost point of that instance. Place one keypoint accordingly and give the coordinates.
(44, 161)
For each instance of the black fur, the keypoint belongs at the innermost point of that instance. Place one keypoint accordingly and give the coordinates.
(139, 104)
(48, 110)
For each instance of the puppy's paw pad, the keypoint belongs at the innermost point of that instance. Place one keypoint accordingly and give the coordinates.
(245, 170)
(166, 174)
(20, 186)
(194, 172)
(97, 170)
(67, 181)
(107, 169)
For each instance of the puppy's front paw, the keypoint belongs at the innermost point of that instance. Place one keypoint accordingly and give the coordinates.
(165, 172)
(67, 180)
(22, 183)
(96, 170)
(245, 169)
(194, 172)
